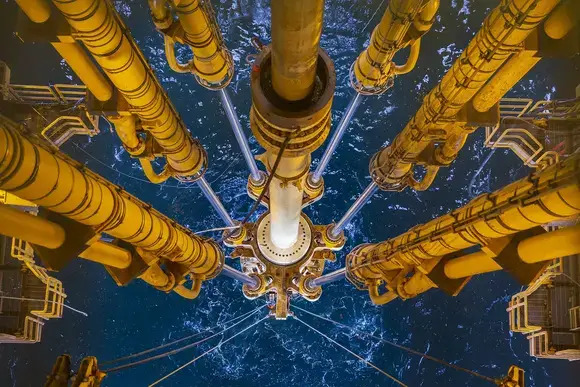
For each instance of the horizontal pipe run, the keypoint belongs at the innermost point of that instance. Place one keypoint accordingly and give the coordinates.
(240, 136)
(39, 231)
(229, 271)
(544, 247)
(470, 264)
(354, 209)
(37, 11)
(107, 254)
(336, 137)
(215, 202)
(336, 275)
(559, 243)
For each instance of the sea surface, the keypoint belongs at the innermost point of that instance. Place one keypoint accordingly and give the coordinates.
(470, 330)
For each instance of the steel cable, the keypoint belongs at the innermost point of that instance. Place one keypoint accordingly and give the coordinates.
(174, 351)
(178, 340)
(206, 352)
(407, 349)
(352, 353)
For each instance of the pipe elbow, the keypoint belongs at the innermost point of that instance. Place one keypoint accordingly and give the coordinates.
(411, 60)
(192, 293)
(172, 59)
(380, 299)
(153, 176)
(427, 180)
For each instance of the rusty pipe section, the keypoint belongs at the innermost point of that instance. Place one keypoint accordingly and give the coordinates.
(296, 29)
(51, 180)
(502, 33)
(403, 24)
(99, 27)
(543, 197)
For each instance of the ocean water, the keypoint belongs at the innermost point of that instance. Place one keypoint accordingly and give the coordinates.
(470, 330)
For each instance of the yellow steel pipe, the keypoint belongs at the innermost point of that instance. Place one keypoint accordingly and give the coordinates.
(503, 31)
(543, 197)
(51, 180)
(296, 29)
(155, 276)
(544, 247)
(107, 254)
(563, 19)
(30, 228)
(85, 69)
(403, 23)
(414, 51)
(100, 28)
(210, 60)
(37, 10)
(559, 243)
(557, 25)
(471, 264)
(504, 79)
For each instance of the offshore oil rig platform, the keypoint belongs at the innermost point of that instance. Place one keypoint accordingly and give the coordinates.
(55, 210)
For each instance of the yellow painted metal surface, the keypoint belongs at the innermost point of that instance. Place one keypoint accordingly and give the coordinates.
(100, 28)
(107, 254)
(559, 243)
(18, 224)
(375, 66)
(543, 197)
(55, 182)
(211, 61)
(470, 264)
(563, 19)
(503, 31)
(85, 69)
(296, 30)
(37, 10)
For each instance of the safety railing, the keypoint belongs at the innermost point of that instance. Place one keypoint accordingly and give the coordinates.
(57, 94)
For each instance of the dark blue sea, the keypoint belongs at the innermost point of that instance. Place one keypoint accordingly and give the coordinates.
(470, 330)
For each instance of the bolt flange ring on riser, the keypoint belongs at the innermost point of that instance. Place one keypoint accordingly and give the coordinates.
(272, 118)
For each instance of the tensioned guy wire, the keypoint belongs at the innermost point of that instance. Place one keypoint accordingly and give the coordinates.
(206, 352)
(177, 350)
(352, 353)
(180, 340)
(407, 349)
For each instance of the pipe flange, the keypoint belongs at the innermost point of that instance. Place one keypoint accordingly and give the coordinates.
(272, 118)
(308, 292)
(252, 293)
(382, 85)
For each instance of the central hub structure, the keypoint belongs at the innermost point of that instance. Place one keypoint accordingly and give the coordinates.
(293, 83)
(284, 256)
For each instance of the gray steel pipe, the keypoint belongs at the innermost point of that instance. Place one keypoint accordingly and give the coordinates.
(336, 275)
(229, 271)
(336, 137)
(215, 201)
(354, 209)
(240, 136)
